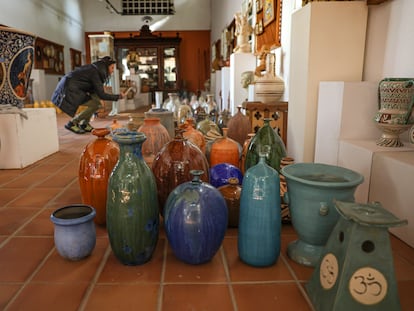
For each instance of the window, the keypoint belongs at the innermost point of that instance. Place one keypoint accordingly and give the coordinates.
(148, 7)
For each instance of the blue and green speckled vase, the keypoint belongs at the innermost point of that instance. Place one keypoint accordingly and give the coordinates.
(132, 206)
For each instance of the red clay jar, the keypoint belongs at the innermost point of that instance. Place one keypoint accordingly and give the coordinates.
(225, 150)
(96, 164)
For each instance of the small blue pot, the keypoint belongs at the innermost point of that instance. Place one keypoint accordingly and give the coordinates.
(74, 234)
(220, 174)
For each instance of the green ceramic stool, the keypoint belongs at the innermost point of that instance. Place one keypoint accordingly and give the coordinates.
(356, 269)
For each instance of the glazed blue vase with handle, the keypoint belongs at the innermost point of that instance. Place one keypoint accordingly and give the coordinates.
(132, 205)
(195, 219)
(260, 215)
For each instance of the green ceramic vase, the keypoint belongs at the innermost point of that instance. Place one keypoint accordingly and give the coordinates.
(132, 205)
(268, 141)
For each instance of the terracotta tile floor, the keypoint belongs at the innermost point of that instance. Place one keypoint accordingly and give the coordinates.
(33, 276)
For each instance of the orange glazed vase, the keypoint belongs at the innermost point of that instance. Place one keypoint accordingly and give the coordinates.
(239, 126)
(157, 136)
(193, 135)
(224, 150)
(96, 164)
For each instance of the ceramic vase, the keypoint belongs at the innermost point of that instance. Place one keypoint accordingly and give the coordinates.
(268, 141)
(231, 192)
(16, 65)
(172, 104)
(260, 219)
(132, 207)
(195, 220)
(220, 174)
(245, 147)
(166, 118)
(239, 127)
(97, 161)
(312, 189)
(193, 135)
(157, 136)
(225, 150)
(173, 164)
(74, 231)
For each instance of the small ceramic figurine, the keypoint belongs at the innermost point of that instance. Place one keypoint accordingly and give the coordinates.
(243, 31)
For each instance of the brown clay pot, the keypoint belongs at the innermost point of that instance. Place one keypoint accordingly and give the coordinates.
(96, 164)
(231, 194)
(157, 136)
(224, 150)
(238, 127)
(172, 166)
(193, 135)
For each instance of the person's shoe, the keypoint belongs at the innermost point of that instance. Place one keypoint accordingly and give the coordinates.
(74, 128)
(86, 127)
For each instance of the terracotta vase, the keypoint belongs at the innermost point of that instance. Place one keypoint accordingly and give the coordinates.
(239, 127)
(172, 166)
(97, 161)
(166, 118)
(231, 193)
(157, 136)
(193, 135)
(224, 150)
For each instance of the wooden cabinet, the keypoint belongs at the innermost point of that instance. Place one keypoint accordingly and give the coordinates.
(154, 58)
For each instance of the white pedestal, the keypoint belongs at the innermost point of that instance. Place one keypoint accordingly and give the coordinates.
(345, 111)
(239, 63)
(217, 89)
(225, 87)
(25, 141)
(328, 43)
(358, 156)
(392, 186)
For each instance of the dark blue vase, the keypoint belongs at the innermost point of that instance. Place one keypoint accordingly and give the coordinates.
(220, 174)
(195, 219)
(260, 215)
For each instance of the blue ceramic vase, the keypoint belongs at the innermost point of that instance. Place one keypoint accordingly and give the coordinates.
(268, 141)
(260, 216)
(132, 206)
(220, 174)
(195, 220)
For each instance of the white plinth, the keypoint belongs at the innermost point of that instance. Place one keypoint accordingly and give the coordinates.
(392, 186)
(25, 141)
(358, 156)
(225, 87)
(328, 44)
(217, 89)
(345, 111)
(239, 63)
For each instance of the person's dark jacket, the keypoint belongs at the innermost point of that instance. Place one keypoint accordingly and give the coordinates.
(74, 88)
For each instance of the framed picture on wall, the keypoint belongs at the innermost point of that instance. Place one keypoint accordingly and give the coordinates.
(268, 12)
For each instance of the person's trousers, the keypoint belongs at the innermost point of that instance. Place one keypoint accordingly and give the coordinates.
(92, 106)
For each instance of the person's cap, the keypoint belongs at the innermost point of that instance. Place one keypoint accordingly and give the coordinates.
(107, 60)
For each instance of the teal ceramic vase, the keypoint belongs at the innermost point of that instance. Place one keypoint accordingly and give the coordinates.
(268, 141)
(312, 189)
(260, 217)
(132, 205)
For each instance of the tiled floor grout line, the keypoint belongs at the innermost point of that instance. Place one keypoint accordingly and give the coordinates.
(95, 278)
(162, 283)
(298, 284)
(228, 278)
(29, 279)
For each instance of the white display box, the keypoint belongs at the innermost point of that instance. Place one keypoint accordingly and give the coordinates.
(25, 141)
(392, 181)
(358, 155)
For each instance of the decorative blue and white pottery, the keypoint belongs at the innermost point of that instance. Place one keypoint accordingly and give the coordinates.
(260, 215)
(195, 219)
(220, 174)
(74, 231)
(312, 191)
(16, 63)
